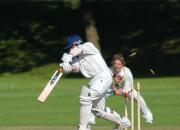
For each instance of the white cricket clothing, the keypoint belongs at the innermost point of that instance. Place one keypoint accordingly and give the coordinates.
(66, 67)
(90, 61)
(66, 58)
(126, 84)
(127, 78)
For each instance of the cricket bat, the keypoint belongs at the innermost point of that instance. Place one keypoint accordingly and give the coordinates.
(49, 87)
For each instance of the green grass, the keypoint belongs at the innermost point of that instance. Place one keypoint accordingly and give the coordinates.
(19, 107)
(74, 128)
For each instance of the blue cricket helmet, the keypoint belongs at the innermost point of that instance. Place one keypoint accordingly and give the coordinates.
(73, 39)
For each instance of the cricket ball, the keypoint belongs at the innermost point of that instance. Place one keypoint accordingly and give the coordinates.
(125, 94)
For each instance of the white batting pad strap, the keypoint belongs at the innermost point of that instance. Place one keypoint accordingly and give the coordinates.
(85, 100)
(84, 97)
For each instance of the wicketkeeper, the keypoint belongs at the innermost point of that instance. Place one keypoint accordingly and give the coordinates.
(122, 84)
(85, 57)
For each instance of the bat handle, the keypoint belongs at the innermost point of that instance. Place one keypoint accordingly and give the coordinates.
(60, 69)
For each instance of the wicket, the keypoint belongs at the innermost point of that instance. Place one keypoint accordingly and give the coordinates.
(132, 108)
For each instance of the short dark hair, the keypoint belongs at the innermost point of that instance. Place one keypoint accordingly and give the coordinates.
(118, 56)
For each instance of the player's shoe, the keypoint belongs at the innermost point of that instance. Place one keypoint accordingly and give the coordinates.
(115, 128)
(82, 128)
(125, 123)
(149, 121)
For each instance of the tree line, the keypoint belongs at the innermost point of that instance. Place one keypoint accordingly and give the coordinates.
(33, 33)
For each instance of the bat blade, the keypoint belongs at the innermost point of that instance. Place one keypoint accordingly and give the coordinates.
(152, 71)
(132, 54)
(49, 87)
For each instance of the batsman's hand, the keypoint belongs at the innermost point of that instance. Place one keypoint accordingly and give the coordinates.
(61, 69)
(66, 58)
(66, 67)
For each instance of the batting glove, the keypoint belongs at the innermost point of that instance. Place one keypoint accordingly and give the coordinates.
(66, 58)
(66, 67)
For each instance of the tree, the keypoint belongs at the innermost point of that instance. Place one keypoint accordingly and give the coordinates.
(90, 29)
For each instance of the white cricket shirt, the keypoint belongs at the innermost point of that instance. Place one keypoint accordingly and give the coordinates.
(88, 60)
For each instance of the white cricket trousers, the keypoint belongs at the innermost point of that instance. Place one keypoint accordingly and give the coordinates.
(98, 87)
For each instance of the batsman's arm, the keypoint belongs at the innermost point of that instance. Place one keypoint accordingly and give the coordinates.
(76, 51)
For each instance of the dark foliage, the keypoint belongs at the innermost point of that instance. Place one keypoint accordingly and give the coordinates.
(32, 33)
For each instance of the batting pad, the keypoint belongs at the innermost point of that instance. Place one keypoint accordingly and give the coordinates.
(85, 108)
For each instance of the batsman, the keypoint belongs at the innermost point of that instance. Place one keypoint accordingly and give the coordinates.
(86, 58)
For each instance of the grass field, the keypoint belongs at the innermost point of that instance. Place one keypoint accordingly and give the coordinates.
(19, 109)
(74, 128)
